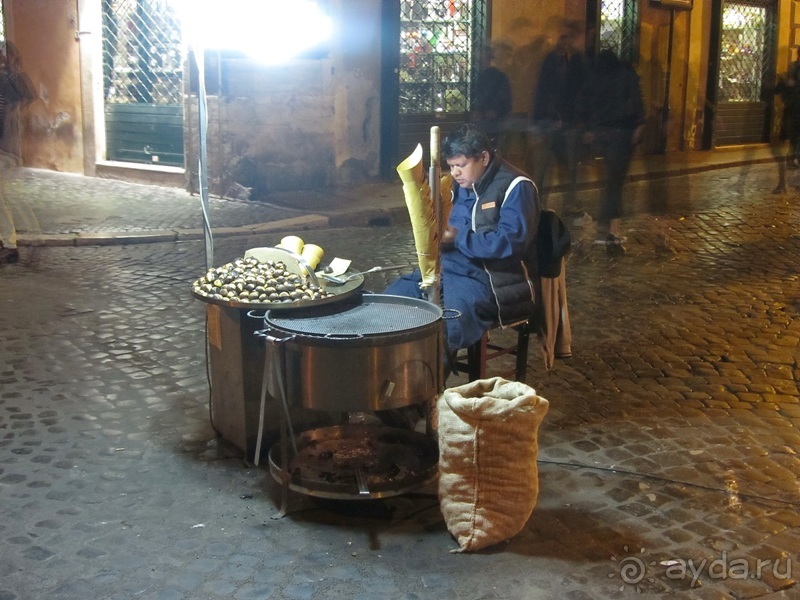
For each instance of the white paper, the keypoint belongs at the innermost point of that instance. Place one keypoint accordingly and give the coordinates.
(338, 267)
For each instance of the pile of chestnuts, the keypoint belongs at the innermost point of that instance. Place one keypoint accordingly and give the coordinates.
(253, 281)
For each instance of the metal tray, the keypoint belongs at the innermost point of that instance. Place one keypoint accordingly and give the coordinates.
(339, 291)
(351, 462)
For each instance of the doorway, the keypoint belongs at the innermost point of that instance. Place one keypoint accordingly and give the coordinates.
(142, 82)
(741, 69)
(431, 54)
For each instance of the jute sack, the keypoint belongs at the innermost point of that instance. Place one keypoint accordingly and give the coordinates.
(488, 445)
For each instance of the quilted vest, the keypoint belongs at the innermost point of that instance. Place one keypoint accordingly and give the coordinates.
(512, 279)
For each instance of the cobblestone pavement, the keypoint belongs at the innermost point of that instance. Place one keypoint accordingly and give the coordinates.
(77, 204)
(668, 461)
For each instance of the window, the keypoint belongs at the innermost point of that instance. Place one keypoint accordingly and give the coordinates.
(742, 52)
(141, 52)
(618, 27)
(439, 45)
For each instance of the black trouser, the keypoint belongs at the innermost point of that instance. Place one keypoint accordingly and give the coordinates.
(614, 146)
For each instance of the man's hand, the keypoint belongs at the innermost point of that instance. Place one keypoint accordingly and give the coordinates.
(449, 239)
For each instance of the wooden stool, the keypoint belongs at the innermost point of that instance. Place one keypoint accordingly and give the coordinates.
(473, 359)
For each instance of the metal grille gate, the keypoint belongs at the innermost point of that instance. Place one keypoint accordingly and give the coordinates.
(142, 81)
(742, 52)
(440, 45)
(616, 24)
(746, 61)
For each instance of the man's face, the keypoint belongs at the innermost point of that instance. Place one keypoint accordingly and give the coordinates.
(466, 171)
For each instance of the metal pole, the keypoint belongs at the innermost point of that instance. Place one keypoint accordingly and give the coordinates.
(665, 105)
(434, 181)
(202, 169)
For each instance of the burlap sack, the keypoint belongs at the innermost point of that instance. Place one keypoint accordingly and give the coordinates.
(488, 445)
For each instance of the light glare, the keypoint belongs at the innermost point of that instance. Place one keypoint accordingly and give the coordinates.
(270, 31)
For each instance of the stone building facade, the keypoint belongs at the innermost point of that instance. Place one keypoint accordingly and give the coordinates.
(330, 119)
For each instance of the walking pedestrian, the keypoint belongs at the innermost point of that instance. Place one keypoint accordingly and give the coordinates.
(788, 88)
(492, 103)
(13, 91)
(554, 140)
(611, 109)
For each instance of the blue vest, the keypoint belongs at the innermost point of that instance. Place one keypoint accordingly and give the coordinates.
(512, 279)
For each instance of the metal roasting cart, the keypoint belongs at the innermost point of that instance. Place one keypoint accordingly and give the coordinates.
(333, 355)
(321, 361)
(371, 353)
(235, 357)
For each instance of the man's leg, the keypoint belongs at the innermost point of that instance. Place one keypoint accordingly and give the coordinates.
(539, 161)
(618, 157)
(572, 155)
(407, 285)
(8, 233)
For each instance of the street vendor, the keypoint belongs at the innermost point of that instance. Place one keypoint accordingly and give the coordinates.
(488, 260)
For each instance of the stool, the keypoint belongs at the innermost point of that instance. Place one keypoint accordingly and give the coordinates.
(473, 359)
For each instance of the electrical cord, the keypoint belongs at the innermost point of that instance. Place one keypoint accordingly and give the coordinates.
(748, 497)
(708, 488)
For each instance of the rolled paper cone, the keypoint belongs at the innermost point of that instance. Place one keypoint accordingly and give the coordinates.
(312, 254)
(417, 194)
(292, 243)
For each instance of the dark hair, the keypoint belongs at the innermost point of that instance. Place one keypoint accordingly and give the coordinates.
(467, 140)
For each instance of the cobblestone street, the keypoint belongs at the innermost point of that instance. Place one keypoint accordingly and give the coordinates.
(668, 460)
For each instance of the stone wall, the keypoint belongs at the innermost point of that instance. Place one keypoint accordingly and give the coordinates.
(49, 127)
(308, 124)
(271, 130)
(314, 123)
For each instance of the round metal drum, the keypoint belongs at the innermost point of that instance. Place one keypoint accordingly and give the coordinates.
(372, 318)
(371, 352)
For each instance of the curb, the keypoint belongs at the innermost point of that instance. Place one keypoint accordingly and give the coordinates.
(351, 217)
(370, 217)
(122, 238)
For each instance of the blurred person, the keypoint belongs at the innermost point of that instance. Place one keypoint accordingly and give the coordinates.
(788, 88)
(611, 111)
(553, 135)
(488, 258)
(492, 103)
(14, 90)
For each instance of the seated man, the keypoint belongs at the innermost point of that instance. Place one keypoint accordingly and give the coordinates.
(488, 261)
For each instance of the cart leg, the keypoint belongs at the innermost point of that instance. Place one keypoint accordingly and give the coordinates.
(284, 472)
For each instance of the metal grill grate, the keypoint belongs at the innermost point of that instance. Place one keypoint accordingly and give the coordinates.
(142, 59)
(439, 46)
(375, 316)
(742, 53)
